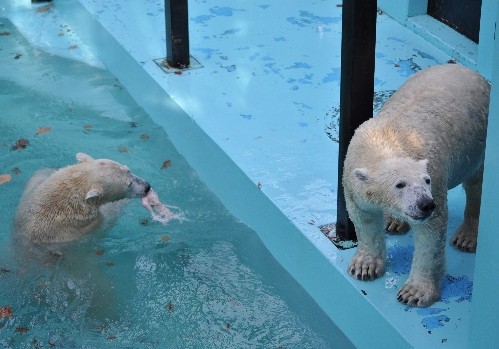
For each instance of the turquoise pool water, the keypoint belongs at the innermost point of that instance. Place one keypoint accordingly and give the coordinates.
(207, 282)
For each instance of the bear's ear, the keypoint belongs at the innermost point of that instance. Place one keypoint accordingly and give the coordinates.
(81, 157)
(361, 174)
(93, 194)
(424, 162)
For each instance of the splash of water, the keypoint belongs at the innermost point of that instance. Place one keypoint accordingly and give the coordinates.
(159, 211)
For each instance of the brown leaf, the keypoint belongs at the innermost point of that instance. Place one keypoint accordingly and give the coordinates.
(166, 164)
(21, 143)
(5, 178)
(18, 55)
(109, 264)
(123, 149)
(16, 170)
(99, 252)
(43, 130)
(4, 33)
(165, 238)
(87, 127)
(170, 307)
(22, 329)
(44, 8)
(144, 137)
(72, 47)
(5, 311)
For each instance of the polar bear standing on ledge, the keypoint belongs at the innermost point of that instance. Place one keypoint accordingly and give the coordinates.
(62, 205)
(428, 138)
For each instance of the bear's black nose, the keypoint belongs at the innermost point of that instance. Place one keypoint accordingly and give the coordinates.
(147, 188)
(426, 205)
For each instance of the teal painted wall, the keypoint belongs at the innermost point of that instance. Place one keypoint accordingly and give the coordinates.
(485, 305)
(480, 57)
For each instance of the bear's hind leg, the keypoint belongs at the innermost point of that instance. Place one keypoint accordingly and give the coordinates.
(466, 235)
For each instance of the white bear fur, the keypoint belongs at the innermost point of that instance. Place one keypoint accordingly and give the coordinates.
(62, 205)
(430, 136)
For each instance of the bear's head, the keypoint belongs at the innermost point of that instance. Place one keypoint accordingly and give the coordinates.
(400, 187)
(109, 180)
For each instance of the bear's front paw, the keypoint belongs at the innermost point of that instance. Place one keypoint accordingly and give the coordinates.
(394, 226)
(364, 266)
(419, 293)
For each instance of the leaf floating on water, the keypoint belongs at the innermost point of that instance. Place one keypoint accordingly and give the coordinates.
(22, 329)
(110, 264)
(21, 143)
(170, 307)
(144, 222)
(123, 149)
(165, 238)
(4, 33)
(18, 55)
(5, 178)
(5, 311)
(16, 170)
(111, 337)
(43, 130)
(144, 137)
(132, 124)
(4, 270)
(166, 164)
(99, 252)
(72, 47)
(87, 127)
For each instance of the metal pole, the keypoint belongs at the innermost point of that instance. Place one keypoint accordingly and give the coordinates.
(357, 88)
(177, 33)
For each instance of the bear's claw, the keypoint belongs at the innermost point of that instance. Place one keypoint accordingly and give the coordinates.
(394, 226)
(365, 267)
(419, 294)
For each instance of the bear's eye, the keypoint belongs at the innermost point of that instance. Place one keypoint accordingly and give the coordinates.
(427, 181)
(400, 185)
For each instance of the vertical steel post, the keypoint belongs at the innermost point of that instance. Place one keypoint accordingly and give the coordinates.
(357, 88)
(177, 33)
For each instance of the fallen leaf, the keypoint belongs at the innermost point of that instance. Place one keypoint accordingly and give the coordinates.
(22, 329)
(4, 270)
(123, 149)
(111, 337)
(5, 311)
(170, 307)
(99, 252)
(72, 47)
(144, 137)
(16, 170)
(21, 143)
(144, 222)
(132, 124)
(44, 8)
(166, 164)
(43, 130)
(18, 55)
(259, 185)
(109, 264)
(4, 33)
(165, 238)
(4, 178)
(87, 127)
